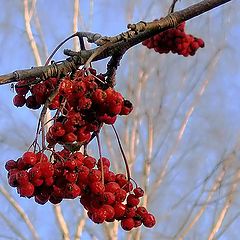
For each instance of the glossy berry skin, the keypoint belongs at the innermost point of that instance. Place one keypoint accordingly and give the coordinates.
(97, 188)
(21, 90)
(132, 200)
(149, 221)
(26, 190)
(109, 212)
(119, 209)
(112, 187)
(98, 215)
(22, 177)
(29, 158)
(138, 192)
(127, 224)
(89, 162)
(10, 164)
(19, 100)
(142, 211)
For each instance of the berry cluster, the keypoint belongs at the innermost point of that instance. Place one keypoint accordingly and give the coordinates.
(83, 103)
(105, 195)
(33, 94)
(175, 40)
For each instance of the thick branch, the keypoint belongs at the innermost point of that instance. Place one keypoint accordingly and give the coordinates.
(110, 46)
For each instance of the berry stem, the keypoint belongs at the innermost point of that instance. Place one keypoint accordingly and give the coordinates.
(56, 49)
(123, 154)
(100, 154)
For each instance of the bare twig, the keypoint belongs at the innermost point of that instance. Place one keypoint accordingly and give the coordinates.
(31, 39)
(61, 222)
(75, 23)
(171, 9)
(182, 129)
(226, 207)
(80, 226)
(20, 211)
(12, 226)
(215, 186)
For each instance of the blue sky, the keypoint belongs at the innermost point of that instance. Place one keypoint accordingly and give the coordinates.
(173, 81)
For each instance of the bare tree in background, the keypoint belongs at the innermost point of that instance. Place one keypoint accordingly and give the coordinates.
(182, 140)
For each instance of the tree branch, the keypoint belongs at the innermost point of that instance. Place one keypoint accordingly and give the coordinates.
(110, 46)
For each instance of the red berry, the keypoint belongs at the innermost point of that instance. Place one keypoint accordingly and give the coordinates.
(94, 175)
(54, 200)
(108, 198)
(83, 136)
(109, 176)
(70, 165)
(42, 198)
(49, 181)
(22, 177)
(21, 90)
(149, 220)
(12, 181)
(119, 209)
(97, 188)
(105, 162)
(126, 108)
(32, 103)
(137, 223)
(111, 187)
(99, 215)
(89, 162)
(34, 173)
(10, 164)
(69, 137)
(26, 190)
(130, 212)
(142, 211)
(19, 100)
(99, 96)
(127, 224)
(109, 212)
(83, 173)
(47, 169)
(29, 158)
(120, 195)
(57, 129)
(138, 192)
(107, 119)
(41, 157)
(72, 191)
(71, 177)
(66, 87)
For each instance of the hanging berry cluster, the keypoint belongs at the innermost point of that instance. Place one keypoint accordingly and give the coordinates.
(105, 195)
(84, 102)
(175, 40)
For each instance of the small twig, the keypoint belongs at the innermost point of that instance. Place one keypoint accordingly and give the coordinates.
(56, 49)
(171, 9)
(31, 39)
(80, 226)
(75, 22)
(100, 155)
(122, 152)
(12, 226)
(61, 222)
(20, 211)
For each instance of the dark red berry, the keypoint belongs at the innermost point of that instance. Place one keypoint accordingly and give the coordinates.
(127, 224)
